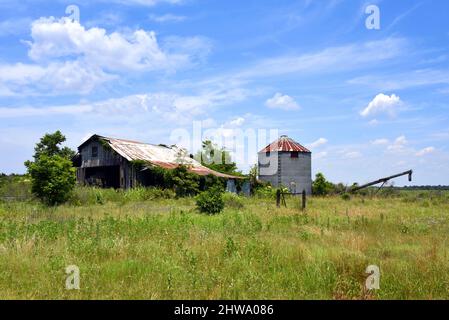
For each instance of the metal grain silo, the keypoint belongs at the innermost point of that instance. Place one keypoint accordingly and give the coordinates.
(286, 163)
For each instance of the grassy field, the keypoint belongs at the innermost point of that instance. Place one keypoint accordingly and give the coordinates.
(151, 246)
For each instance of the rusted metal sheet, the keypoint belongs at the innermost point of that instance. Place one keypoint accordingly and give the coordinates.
(160, 155)
(285, 144)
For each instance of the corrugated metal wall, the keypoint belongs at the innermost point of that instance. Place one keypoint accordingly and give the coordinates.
(295, 173)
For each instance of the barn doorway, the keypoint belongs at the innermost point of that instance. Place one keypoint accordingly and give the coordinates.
(104, 177)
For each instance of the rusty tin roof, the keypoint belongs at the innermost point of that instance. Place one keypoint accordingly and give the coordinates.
(285, 144)
(159, 155)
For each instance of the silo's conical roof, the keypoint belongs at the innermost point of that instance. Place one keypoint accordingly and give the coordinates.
(286, 144)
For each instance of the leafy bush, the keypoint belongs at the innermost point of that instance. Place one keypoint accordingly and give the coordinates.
(346, 196)
(53, 179)
(321, 186)
(389, 191)
(180, 180)
(232, 200)
(339, 188)
(210, 201)
(265, 192)
(211, 181)
(52, 173)
(184, 182)
(99, 197)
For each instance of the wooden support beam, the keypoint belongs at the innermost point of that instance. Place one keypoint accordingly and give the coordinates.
(304, 199)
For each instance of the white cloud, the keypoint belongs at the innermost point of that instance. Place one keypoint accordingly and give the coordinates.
(138, 51)
(401, 140)
(165, 105)
(45, 111)
(404, 80)
(401, 163)
(318, 143)
(208, 123)
(425, 151)
(237, 122)
(166, 18)
(319, 155)
(329, 60)
(21, 73)
(352, 155)
(228, 129)
(398, 144)
(127, 106)
(280, 101)
(379, 142)
(332, 59)
(109, 19)
(72, 59)
(54, 78)
(195, 49)
(382, 104)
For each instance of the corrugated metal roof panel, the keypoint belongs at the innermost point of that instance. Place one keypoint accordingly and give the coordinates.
(285, 144)
(161, 156)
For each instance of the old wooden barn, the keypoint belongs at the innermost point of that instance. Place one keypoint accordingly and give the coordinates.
(108, 162)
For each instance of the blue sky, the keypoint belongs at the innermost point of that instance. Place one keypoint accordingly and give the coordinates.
(367, 102)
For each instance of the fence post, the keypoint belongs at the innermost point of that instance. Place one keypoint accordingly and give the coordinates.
(278, 198)
(304, 199)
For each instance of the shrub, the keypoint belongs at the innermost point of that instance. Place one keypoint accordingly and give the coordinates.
(185, 183)
(53, 179)
(389, 192)
(211, 181)
(52, 173)
(161, 193)
(339, 188)
(99, 199)
(232, 200)
(265, 192)
(321, 186)
(346, 196)
(210, 201)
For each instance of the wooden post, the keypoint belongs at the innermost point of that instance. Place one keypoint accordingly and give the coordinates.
(278, 198)
(304, 199)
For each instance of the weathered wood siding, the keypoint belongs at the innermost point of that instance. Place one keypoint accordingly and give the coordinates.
(105, 156)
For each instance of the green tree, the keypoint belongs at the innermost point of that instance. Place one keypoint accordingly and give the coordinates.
(211, 181)
(255, 183)
(52, 173)
(321, 186)
(184, 182)
(50, 145)
(253, 174)
(216, 158)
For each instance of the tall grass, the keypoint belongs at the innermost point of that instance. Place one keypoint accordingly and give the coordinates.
(145, 244)
(90, 196)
